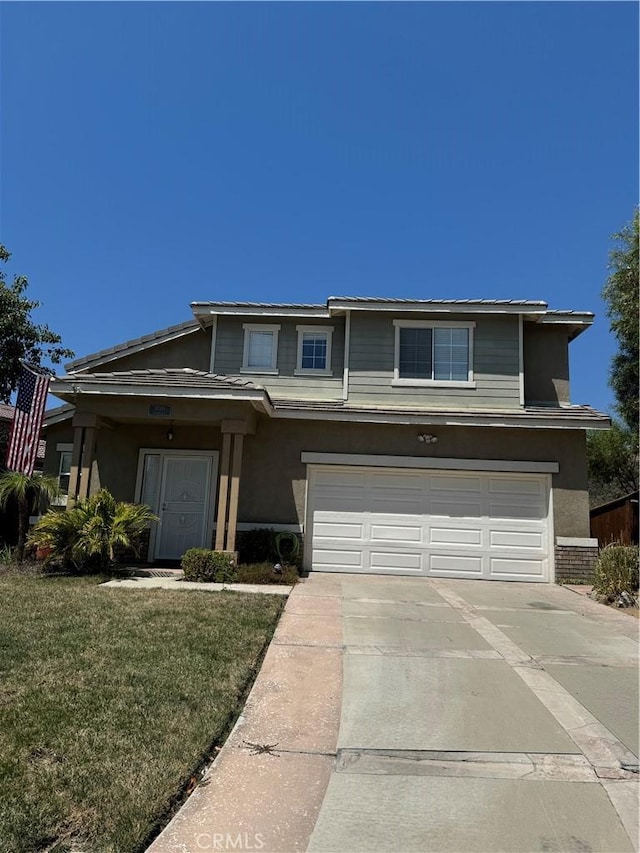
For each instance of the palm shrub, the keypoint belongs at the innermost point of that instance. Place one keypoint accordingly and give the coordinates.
(93, 531)
(28, 491)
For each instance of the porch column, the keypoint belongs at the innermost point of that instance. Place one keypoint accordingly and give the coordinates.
(223, 491)
(87, 462)
(233, 433)
(74, 474)
(235, 491)
(84, 441)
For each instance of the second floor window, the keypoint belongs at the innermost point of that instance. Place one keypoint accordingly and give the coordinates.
(433, 353)
(260, 348)
(314, 349)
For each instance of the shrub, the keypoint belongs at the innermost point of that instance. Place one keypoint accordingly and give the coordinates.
(201, 564)
(616, 572)
(90, 535)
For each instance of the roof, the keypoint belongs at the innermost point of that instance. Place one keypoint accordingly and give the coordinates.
(166, 376)
(134, 345)
(563, 412)
(6, 412)
(204, 312)
(163, 377)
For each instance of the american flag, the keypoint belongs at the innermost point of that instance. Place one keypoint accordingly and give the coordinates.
(27, 420)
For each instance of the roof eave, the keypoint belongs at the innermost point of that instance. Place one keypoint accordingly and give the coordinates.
(338, 305)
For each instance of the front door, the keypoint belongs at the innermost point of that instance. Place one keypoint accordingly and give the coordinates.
(183, 505)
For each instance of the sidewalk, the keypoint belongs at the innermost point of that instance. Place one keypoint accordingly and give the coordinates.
(265, 788)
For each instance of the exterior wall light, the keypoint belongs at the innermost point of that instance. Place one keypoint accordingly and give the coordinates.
(427, 439)
(170, 433)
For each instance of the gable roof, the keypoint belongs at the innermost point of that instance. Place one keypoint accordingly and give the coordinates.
(134, 345)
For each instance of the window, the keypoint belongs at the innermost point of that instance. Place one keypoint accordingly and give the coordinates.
(260, 348)
(314, 349)
(433, 353)
(64, 472)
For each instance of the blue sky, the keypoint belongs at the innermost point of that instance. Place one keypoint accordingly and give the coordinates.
(159, 153)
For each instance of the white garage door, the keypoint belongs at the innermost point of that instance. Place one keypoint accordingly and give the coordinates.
(439, 523)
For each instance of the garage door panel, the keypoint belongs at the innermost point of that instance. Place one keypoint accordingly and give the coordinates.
(516, 539)
(395, 533)
(455, 565)
(445, 524)
(454, 536)
(514, 485)
(454, 509)
(520, 568)
(338, 530)
(338, 557)
(393, 560)
(446, 484)
(513, 510)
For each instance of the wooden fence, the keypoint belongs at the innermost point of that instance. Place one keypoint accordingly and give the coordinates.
(616, 521)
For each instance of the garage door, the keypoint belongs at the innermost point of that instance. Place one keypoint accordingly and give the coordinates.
(438, 523)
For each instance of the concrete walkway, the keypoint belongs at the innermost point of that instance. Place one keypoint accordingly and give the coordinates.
(177, 584)
(475, 716)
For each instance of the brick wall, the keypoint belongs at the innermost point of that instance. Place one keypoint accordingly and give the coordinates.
(575, 561)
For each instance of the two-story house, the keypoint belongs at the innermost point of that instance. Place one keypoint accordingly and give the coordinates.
(413, 437)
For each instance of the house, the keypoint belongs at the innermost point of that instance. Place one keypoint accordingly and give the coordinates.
(412, 437)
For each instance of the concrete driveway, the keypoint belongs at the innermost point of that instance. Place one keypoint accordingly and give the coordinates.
(430, 715)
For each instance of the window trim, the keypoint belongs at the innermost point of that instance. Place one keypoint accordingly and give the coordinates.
(260, 327)
(433, 383)
(327, 331)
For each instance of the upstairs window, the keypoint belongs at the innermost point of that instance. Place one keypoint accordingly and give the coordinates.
(260, 348)
(433, 353)
(314, 349)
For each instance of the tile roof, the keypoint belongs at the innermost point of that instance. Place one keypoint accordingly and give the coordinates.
(6, 412)
(301, 305)
(392, 300)
(120, 350)
(563, 412)
(166, 377)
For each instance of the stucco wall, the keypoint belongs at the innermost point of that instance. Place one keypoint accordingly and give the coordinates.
(274, 479)
(273, 482)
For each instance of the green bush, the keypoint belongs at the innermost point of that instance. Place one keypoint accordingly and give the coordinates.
(616, 571)
(201, 564)
(92, 534)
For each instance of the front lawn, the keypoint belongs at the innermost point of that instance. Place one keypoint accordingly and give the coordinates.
(109, 702)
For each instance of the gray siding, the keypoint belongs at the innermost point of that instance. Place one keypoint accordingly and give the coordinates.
(546, 364)
(495, 356)
(286, 385)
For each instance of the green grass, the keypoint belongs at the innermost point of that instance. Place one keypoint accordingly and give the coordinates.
(110, 702)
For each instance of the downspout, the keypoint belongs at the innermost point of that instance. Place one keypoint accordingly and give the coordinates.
(521, 358)
(212, 357)
(347, 343)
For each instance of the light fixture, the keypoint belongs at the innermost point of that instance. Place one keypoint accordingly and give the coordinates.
(427, 439)
(170, 433)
